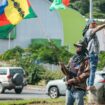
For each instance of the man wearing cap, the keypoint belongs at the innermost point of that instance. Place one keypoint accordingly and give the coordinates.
(93, 50)
(76, 72)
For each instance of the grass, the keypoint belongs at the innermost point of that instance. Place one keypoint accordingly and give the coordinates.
(59, 101)
(38, 101)
(73, 24)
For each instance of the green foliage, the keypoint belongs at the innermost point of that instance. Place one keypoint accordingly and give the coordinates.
(36, 73)
(101, 64)
(12, 53)
(102, 6)
(72, 1)
(64, 56)
(83, 7)
(35, 47)
(50, 53)
(52, 75)
(99, 8)
(27, 59)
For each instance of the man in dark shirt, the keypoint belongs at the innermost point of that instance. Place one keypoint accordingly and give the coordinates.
(77, 72)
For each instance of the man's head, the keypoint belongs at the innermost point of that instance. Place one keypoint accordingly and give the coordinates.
(80, 47)
(92, 23)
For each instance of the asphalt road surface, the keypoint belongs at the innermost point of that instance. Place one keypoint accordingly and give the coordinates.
(28, 93)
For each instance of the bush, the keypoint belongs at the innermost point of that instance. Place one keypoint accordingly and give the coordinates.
(83, 7)
(50, 53)
(52, 75)
(36, 73)
(12, 53)
(101, 63)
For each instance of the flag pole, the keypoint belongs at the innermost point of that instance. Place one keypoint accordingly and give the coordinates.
(91, 9)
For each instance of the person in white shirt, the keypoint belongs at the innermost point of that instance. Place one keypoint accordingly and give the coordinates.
(93, 50)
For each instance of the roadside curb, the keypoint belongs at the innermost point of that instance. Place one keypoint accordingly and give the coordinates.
(34, 87)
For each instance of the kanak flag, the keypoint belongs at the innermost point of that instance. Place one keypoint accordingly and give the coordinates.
(15, 11)
(12, 12)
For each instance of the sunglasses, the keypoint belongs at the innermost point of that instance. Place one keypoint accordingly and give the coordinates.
(17, 6)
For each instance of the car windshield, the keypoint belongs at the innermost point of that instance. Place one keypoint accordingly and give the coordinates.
(3, 71)
(14, 71)
(103, 75)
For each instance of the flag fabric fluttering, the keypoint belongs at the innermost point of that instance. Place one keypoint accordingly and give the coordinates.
(31, 12)
(3, 4)
(66, 2)
(59, 4)
(14, 12)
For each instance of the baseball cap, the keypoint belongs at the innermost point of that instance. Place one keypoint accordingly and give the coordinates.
(78, 44)
(90, 21)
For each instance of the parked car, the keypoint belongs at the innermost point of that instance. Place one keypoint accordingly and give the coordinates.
(98, 96)
(56, 88)
(12, 78)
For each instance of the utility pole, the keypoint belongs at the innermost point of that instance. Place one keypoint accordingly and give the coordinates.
(91, 9)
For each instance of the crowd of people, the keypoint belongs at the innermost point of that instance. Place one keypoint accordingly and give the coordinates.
(80, 71)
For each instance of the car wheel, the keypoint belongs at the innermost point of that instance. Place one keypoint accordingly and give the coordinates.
(1, 88)
(18, 91)
(53, 92)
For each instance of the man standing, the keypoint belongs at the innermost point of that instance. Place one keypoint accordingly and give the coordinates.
(77, 73)
(93, 50)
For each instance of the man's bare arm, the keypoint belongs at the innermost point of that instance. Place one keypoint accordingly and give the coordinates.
(98, 28)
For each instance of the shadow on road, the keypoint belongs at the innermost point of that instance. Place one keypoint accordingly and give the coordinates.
(6, 99)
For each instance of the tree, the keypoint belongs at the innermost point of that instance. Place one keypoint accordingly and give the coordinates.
(50, 53)
(101, 63)
(26, 58)
(13, 53)
(83, 7)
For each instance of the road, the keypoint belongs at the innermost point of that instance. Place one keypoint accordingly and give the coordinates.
(28, 93)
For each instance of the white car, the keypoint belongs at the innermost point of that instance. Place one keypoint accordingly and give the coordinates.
(12, 78)
(56, 88)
